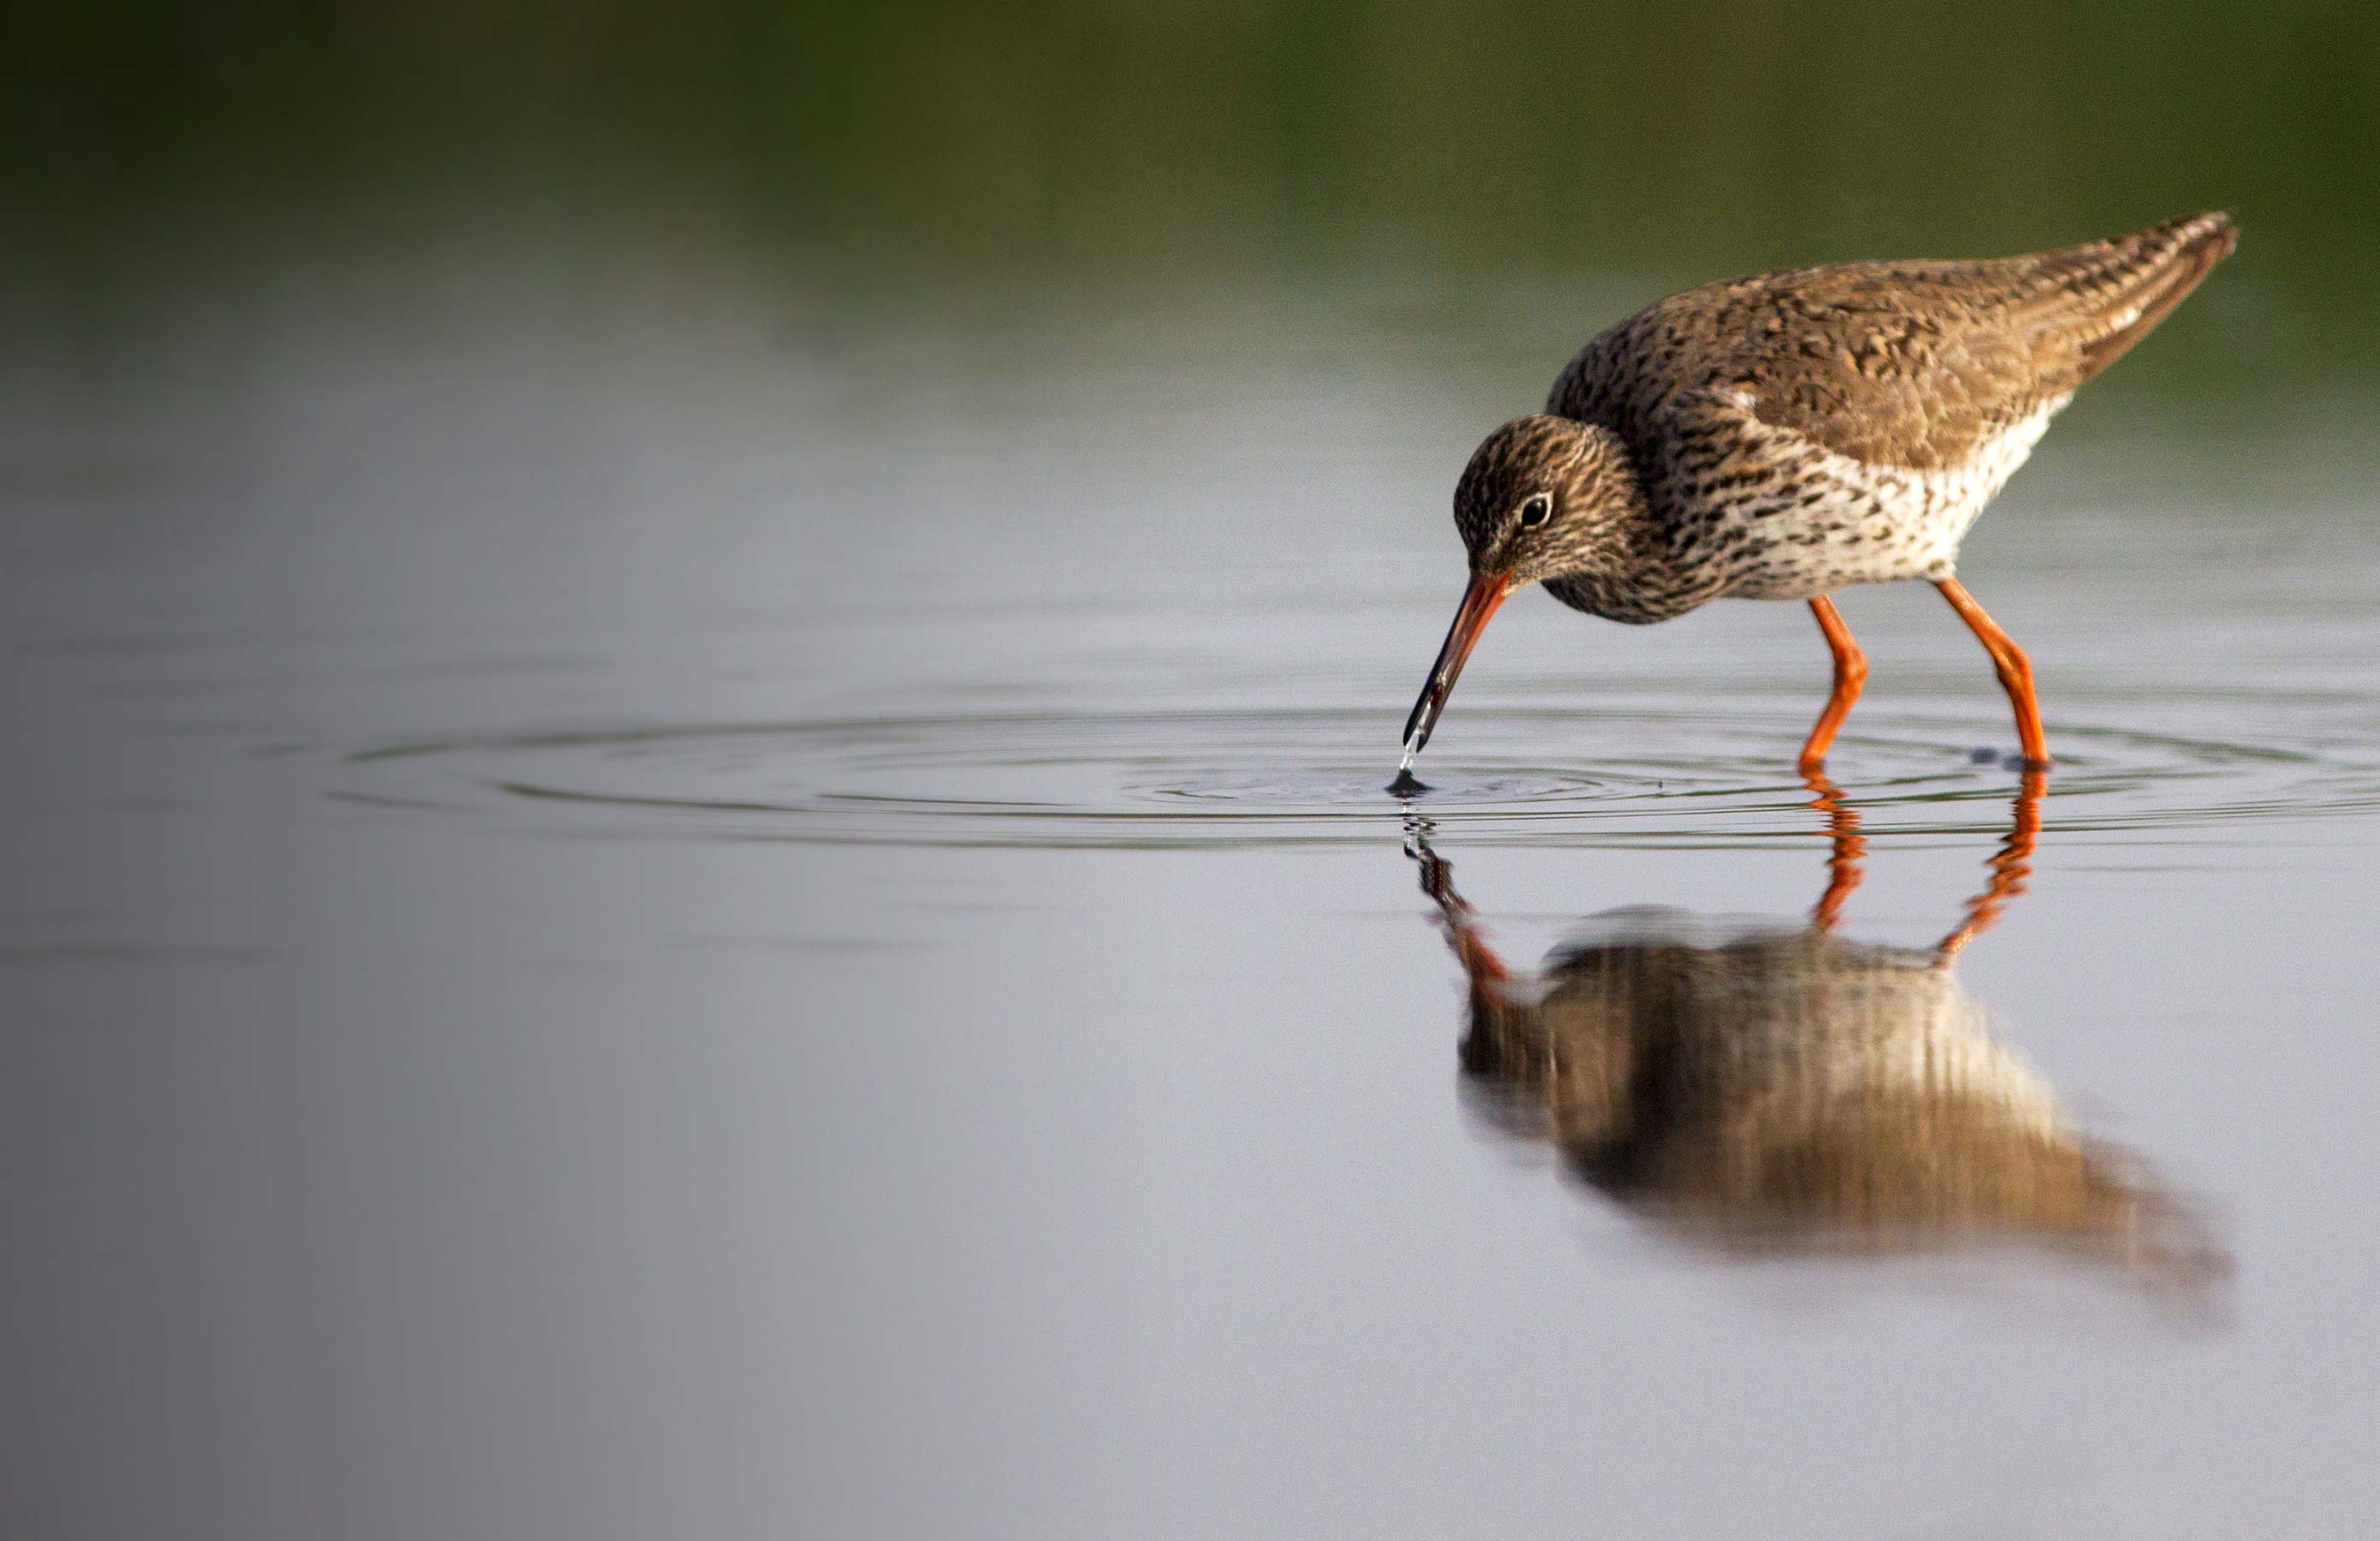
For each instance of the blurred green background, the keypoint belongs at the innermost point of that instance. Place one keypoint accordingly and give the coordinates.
(906, 149)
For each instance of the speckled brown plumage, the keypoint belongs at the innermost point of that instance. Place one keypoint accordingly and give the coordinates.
(1786, 434)
(1906, 364)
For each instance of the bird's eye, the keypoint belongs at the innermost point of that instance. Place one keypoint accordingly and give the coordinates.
(1536, 509)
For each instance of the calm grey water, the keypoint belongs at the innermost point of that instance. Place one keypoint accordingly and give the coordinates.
(652, 909)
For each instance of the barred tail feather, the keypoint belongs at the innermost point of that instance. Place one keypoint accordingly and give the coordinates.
(2109, 295)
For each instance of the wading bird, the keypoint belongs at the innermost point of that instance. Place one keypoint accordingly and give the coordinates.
(1785, 436)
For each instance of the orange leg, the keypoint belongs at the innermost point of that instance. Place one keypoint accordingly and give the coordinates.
(1851, 673)
(2015, 671)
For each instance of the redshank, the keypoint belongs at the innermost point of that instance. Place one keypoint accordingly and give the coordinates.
(1785, 436)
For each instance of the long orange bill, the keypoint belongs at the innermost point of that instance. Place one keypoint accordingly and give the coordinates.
(1479, 602)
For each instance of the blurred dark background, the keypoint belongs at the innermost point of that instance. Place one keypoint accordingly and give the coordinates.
(897, 150)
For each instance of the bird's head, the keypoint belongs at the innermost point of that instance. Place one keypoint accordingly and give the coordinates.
(1543, 497)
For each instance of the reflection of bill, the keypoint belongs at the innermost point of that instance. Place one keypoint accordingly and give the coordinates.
(1792, 1091)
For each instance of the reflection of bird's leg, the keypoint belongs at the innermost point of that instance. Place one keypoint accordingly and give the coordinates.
(1479, 960)
(1843, 860)
(2010, 868)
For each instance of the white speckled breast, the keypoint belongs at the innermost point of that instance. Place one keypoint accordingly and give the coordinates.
(1829, 520)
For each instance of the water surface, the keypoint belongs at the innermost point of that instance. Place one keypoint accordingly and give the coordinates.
(669, 926)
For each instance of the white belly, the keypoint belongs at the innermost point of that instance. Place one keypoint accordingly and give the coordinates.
(1872, 524)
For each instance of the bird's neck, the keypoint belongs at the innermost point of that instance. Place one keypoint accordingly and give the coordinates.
(1631, 572)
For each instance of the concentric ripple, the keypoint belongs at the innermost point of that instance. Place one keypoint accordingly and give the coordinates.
(1162, 778)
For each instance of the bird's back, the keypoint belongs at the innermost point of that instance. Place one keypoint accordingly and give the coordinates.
(1905, 364)
(1806, 428)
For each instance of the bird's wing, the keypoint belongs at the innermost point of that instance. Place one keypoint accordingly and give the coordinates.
(1909, 364)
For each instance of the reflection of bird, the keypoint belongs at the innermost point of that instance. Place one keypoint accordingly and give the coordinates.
(1793, 1091)
(1781, 436)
